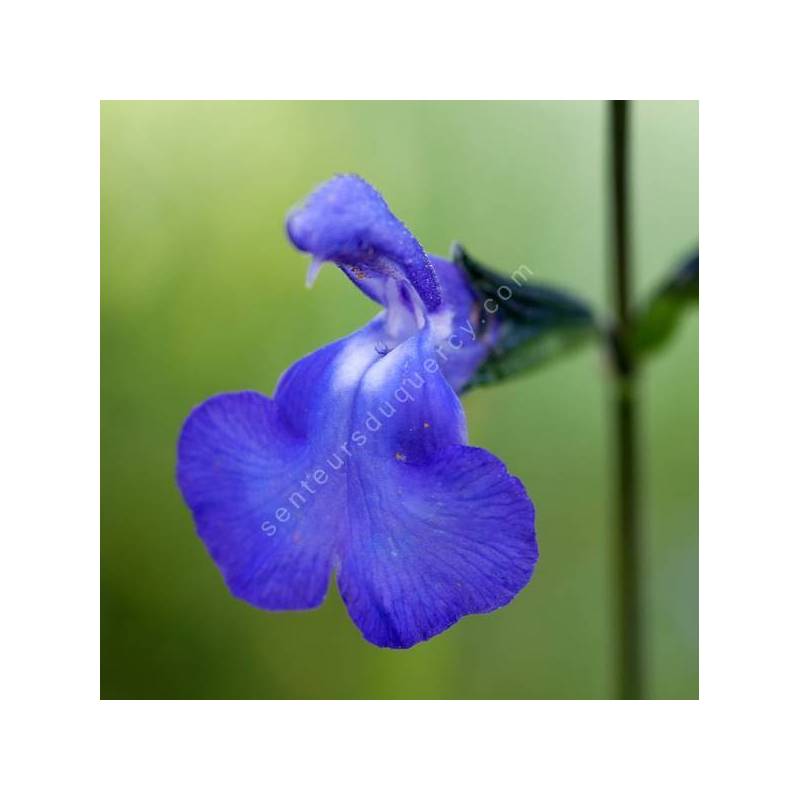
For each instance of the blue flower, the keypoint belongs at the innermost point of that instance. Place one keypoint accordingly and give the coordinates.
(359, 463)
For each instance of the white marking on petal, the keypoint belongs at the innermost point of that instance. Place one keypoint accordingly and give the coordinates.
(378, 374)
(442, 323)
(353, 362)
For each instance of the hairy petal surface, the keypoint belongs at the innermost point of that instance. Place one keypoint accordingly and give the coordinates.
(345, 220)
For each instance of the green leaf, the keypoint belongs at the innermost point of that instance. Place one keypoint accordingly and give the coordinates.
(658, 320)
(536, 323)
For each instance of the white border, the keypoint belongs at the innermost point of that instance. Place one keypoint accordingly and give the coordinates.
(59, 59)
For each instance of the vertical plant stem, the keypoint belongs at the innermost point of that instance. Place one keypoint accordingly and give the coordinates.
(627, 537)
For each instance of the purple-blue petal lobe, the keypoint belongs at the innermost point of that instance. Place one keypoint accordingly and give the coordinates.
(345, 220)
(467, 330)
(359, 461)
(433, 541)
(237, 466)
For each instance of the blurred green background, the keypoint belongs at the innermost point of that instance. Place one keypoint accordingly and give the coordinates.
(201, 293)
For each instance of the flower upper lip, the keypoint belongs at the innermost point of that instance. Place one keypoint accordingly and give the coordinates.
(346, 221)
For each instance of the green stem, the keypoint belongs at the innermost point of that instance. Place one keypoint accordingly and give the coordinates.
(627, 539)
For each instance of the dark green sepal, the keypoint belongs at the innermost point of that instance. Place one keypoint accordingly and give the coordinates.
(535, 322)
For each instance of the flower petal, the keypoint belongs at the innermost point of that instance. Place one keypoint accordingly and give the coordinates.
(463, 328)
(432, 542)
(345, 220)
(436, 529)
(238, 463)
(359, 460)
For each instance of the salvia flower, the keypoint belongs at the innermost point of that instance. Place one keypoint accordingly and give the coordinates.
(359, 463)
